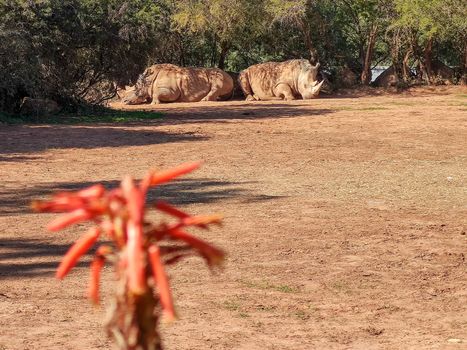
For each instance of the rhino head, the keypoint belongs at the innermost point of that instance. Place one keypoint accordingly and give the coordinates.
(139, 93)
(308, 84)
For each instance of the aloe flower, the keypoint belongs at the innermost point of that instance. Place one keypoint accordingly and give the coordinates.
(139, 250)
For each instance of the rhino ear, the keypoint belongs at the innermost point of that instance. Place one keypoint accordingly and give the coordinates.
(317, 65)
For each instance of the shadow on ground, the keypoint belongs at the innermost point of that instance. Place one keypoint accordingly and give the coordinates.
(19, 139)
(34, 139)
(180, 192)
(43, 257)
(230, 111)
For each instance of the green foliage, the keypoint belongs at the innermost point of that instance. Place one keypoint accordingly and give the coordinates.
(71, 50)
(228, 23)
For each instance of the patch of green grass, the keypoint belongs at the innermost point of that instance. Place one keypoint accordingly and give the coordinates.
(243, 315)
(394, 103)
(85, 116)
(457, 104)
(285, 289)
(350, 108)
(371, 109)
(302, 315)
(266, 308)
(107, 116)
(340, 286)
(6, 118)
(258, 324)
(462, 95)
(231, 305)
(344, 108)
(270, 286)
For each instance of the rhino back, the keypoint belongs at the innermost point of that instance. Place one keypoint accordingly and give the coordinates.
(264, 77)
(194, 84)
(191, 83)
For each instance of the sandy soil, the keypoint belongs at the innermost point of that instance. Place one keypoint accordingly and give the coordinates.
(345, 223)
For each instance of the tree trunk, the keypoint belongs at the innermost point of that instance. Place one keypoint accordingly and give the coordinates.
(464, 68)
(223, 54)
(366, 73)
(406, 74)
(305, 28)
(428, 61)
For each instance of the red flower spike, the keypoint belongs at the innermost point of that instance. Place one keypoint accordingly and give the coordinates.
(135, 200)
(119, 232)
(136, 265)
(168, 209)
(93, 290)
(213, 255)
(202, 220)
(162, 282)
(167, 175)
(145, 183)
(80, 247)
(74, 217)
(59, 204)
(96, 267)
(95, 191)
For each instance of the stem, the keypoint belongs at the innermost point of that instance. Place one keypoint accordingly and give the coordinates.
(133, 319)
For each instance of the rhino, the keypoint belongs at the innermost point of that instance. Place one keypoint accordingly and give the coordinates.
(287, 80)
(170, 83)
(37, 106)
(387, 78)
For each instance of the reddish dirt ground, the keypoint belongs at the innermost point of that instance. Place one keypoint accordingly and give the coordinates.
(345, 223)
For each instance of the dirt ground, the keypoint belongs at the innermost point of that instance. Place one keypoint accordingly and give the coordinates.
(345, 223)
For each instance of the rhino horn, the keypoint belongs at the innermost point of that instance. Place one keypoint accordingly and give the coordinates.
(317, 88)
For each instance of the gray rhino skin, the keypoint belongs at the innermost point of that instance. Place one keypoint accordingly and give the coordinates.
(387, 78)
(170, 83)
(36, 106)
(287, 80)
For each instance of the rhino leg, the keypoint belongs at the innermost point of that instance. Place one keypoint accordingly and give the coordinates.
(212, 95)
(161, 94)
(244, 82)
(285, 91)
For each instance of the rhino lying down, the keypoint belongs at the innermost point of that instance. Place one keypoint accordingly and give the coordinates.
(287, 80)
(170, 83)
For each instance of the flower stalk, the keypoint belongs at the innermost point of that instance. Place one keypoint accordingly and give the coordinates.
(139, 250)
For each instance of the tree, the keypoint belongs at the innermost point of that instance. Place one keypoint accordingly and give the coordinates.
(364, 22)
(295, 12)
(227, 22)
(72, 50)
(434, 24)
